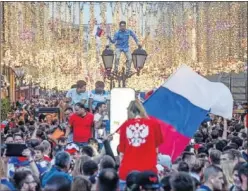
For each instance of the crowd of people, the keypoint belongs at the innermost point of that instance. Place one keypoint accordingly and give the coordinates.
(72, 151)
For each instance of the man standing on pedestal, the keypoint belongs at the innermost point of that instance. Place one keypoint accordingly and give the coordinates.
(121, 41)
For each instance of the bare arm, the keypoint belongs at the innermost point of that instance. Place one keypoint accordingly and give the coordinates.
(114, 39)
(32, 164)
(67, 130)
(90, 104)
(34, 168)
(98, 157)
(35, 131)
(4, 165)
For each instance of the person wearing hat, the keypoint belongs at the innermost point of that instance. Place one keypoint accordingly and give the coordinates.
(148, 181)
(131, 181)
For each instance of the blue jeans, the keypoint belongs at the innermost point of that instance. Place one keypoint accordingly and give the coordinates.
(117, 59)
(122, 185)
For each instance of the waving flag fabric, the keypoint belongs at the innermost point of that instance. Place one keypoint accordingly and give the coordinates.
(182, 103)
(99, 32)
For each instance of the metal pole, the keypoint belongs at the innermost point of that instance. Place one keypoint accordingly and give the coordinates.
(111, 83)
(123, 77)
(124, 81)
(119, 82)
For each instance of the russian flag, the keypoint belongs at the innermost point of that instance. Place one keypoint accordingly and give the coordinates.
(99, 32)
(148, 94)
(182, 103)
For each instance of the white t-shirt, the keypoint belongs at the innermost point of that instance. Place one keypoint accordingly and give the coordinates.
(100, 132)
(98, 98)
(77, 97)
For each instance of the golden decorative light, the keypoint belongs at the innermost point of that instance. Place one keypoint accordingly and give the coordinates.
(208, 36)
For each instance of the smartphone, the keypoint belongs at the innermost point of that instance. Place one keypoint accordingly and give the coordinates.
(15, 150)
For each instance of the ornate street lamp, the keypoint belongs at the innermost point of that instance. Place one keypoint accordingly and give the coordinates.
(139, 58)
(19, 71)
(108, 59)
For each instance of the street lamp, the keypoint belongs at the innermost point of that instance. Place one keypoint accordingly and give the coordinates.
(20, 73)
(108, 58)
(138, 56)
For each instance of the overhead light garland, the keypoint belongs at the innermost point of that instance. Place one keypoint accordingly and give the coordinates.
(44, 38)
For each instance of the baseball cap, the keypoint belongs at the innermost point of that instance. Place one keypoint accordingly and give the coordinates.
(148, 180)
(132, 178)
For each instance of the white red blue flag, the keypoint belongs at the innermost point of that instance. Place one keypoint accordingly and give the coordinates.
(182, 103)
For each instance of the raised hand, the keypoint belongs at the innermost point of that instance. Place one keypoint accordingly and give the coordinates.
(108, 137)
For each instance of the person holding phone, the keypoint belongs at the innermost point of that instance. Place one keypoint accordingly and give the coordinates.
(36, 160)
(17, 161)
(4, 178)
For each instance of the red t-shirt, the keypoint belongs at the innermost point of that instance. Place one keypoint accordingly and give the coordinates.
(82, 127)
(139, 139)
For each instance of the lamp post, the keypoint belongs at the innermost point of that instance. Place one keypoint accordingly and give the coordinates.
(138, 56)
(231, 80)
(108, 59)
(20, 73)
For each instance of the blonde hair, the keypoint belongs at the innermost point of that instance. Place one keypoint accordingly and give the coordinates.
(227, 168)
(136, 109)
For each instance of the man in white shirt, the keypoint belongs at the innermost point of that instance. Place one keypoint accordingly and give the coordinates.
(78, 94)
(98, 95)
(101, 121)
